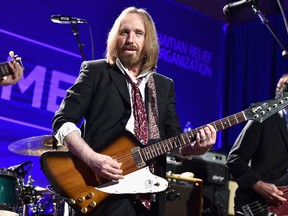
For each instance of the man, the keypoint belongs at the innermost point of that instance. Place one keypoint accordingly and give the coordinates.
(104, 95)
(14, 77)
(258, 161)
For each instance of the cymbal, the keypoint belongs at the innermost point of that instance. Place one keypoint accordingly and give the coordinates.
(35, 146)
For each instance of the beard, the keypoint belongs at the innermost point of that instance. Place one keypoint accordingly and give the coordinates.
(130, 60)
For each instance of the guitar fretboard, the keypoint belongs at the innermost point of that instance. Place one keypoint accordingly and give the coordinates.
(162, 147)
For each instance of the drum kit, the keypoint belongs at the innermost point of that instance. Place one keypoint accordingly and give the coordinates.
(18, 198)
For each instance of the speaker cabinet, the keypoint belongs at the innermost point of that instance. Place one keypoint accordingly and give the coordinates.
(184, 196)
(211, 168)
(215, 200)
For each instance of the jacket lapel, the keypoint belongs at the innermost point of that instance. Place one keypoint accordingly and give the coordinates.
(119, 80)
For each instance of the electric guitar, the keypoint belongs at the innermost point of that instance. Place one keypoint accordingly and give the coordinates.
(261, 206)
(86, 192)
(258, 205)
(5, 70)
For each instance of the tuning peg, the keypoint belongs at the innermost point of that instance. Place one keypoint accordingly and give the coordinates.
(11, 54)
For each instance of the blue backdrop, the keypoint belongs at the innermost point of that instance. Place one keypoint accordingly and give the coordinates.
(218, 69)
(51, 58)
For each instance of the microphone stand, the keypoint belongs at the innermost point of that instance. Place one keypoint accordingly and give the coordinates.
(266, 22)
(76, 33)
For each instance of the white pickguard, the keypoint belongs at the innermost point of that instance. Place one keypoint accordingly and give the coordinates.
(140, 181)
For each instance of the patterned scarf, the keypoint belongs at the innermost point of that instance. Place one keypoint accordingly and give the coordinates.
(152, 109)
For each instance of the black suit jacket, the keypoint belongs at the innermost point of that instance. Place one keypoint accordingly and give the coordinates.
(101, 96)
(259, 153)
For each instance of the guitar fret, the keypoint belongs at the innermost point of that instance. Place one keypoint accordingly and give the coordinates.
(156, 150)
(165, 146)
(163, 149)
(222, 125)
(147, 155)
(170, 143)
(236, 119)
(152, 151)
(233, 120)
(214, 124)
(188, 138)
(228, 121)
(182, 138)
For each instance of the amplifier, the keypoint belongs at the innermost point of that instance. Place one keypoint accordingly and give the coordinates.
(216, 200)
(210, 167)
(184, 196)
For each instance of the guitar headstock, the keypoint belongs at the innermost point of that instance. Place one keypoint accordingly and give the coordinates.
(15, 58)
(262, 110)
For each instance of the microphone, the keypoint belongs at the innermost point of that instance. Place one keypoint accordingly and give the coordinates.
(66, 19)
(233, 7)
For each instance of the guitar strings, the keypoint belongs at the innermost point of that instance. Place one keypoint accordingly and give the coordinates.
(257, 207)
(155, 150)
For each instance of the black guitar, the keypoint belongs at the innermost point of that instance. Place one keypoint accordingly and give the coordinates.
(5, 70)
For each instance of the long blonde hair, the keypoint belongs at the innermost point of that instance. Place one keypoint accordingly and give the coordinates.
(151, 45)
(282, 85)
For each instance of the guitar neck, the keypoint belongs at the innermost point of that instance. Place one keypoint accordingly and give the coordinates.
(5, 70)
(162, 147)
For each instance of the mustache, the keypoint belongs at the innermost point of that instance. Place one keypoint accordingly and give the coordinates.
(130, 47)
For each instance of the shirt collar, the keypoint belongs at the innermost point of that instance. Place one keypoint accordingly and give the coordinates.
(124, 70)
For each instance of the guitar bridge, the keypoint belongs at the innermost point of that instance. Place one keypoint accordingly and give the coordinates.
(137, 157)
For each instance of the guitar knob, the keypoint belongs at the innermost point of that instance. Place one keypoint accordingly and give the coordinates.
(71, 201)
(84, 210)
(92, 204)
(81, 199)
(90, 195)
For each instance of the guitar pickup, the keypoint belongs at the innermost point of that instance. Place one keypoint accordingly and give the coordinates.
(138, 157)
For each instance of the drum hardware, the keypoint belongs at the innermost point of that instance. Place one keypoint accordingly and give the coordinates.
(8, 193)
(28, 200)
(50, 203)
(20, 169)
(36, 146)
(38, 201)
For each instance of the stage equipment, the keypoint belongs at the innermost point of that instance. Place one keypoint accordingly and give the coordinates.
(231, 8)
(211, 168)
(36, 146)
(234, 7)
(184, 196)
(73, 21)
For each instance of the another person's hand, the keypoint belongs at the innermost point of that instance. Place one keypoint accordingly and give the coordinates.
(17, 73)
(270, 192)
(205, 138)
